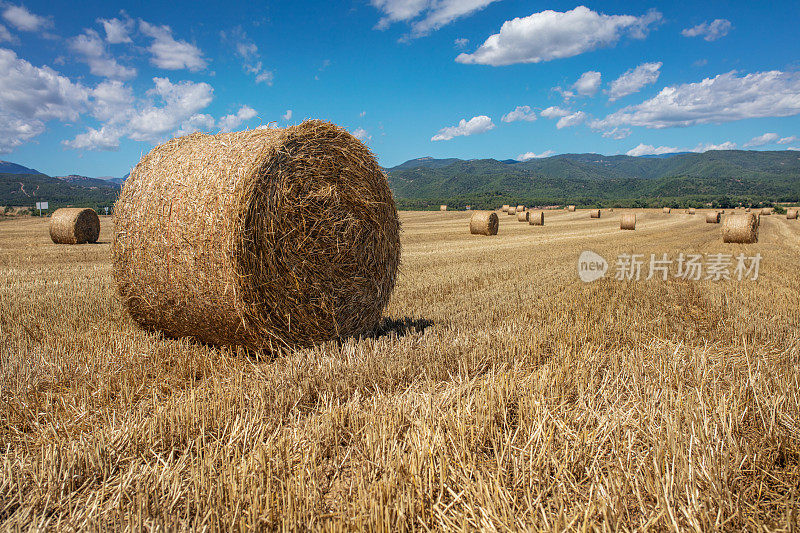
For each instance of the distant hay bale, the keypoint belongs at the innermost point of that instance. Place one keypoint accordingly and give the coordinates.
(520, 208)
(766, 211)
(791, 214)
(505, 208)
(442, 207)
(522, 216)
(747, 210)
(627, 221)
(267, 238)
(713, 217)
(512, 211)
(536, 218)
(484, 223)
(74, 225)
(570, 208)
(741, 229)
(691, 211)
(666, 210)
(594, 213)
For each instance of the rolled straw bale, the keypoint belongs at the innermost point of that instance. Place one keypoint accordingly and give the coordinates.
(766, 211)
(691, 211)
(594, 213)
(740, 228)
(627, 221)
(267, 238)
(713, 217)
(522, 216)
(74, 225)
(442, 207)
(747, 210)
(484, 223)
(520, 208)
(512, 211)
(570, 208)
(791, 214)
(666, 210)
(505, 208)
(536, 218)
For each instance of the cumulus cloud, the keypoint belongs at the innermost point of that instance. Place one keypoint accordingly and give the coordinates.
(247, 50)
(633, 80)
(554, 112)
(724, 98)
(425, 15)
(549, 35)
(461, 43)
(231, 122)
(5, 35)
(197, 122)
(707, 147)
(90, 48)
(527, 156)
(788, 140)
(473, 126)
(362, 135)
(24, 20)
(110, 99)
(169, 54)
(761, 140)
(117, 31)
(587, 84)
(180, 101)
(710, 31)
(617, 133)
(571, 120)
(648, 149)
(522, 112)
(104, 138)
(287, 115)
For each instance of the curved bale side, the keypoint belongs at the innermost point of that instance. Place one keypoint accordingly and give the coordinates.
(268, 238)
(512, 211)
(536, 218)
(741, 229)
(522, 216)
(484, 223)
(571, 208)
(766, 211)
(504, 209)
(691, 211)
(74, 225)
(666, 210)
(520, 208)
(594, 213)
(627, 221)
(791, 214)
(713, 217)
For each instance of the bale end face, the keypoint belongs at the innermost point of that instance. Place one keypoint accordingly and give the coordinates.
(536, 219)
(627, 221)
(484, 223)
(74, 225)
(740, 229)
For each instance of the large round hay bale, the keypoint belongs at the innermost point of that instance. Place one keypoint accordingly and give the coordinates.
(594, 213)
(267, 238)
(536, 218)
(627, 221)
(666, 210)
(740, 229)
(484, 223)
(791, 214)
(505, 208)
(442, 207)
(512, 211)
(522, 216)
(74, 225)
(570, 208)
(713, 217)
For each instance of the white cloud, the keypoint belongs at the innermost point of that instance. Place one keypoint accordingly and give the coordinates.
(587, 84)
(571, 120)
(287, 115)
(24, 20)
(522, 112)
(105, 138)
(362, 135)
(710, 31)
(5, 35)
(91, 49)
(549, 35)
(117, 31)
(430, 15)
(465, 128)
(111, 99)
(266, 76)
(231, 122)
(647, 149)
(724, 98)
(554, 112)
(461, 43)
(169, 54)
(617, 133)
(247, 50)
(180, 100)
(707, 147)
(788, 140)
(633, 80)
(761, 140)
(197, 122)
(530, 155)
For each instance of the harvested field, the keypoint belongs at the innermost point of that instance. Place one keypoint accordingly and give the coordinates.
(673, 405)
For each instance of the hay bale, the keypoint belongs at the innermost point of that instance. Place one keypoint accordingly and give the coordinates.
(520, 208)
(484, 223)
(74, 225)
(522, 216)
(594, 213)
(747, 210)
(570, 208)
(791, 214)
(505, 208)
(691, 211)
(442, 207)
(512, 211)
(741, 229)
(766, 211)
(713, 217)
(267, 238)
(627, 221)
(666, 210)
(536, 218)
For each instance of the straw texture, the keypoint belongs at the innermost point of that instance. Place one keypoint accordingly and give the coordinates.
(666, 210)
(512, 211)
(505, 208)
(570, 208)
(484, 223)
(594, 213)
(713, 217)
(627, 221)
(522, 216)
(268, 238)
(442, 207)
(791, 214)
(74, 225)
(741, 229)
(536, 218)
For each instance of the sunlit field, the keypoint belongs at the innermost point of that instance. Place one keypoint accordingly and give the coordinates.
(501, 392)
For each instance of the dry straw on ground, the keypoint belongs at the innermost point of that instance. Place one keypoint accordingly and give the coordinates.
(484, 223)
(627, 221)
(267, 238)
(666, 210)
(713, 217)
(791, 214)
(522, 216)
(570, 208)
(505, 208)
(536, 218)
(740, 229)
(594, 213)
(74, 225)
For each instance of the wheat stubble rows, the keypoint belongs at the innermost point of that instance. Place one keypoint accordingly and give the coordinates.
(502, 393)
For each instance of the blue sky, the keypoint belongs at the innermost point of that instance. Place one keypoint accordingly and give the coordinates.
(88, 89)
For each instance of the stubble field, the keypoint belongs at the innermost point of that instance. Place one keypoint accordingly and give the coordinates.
(500, 393)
